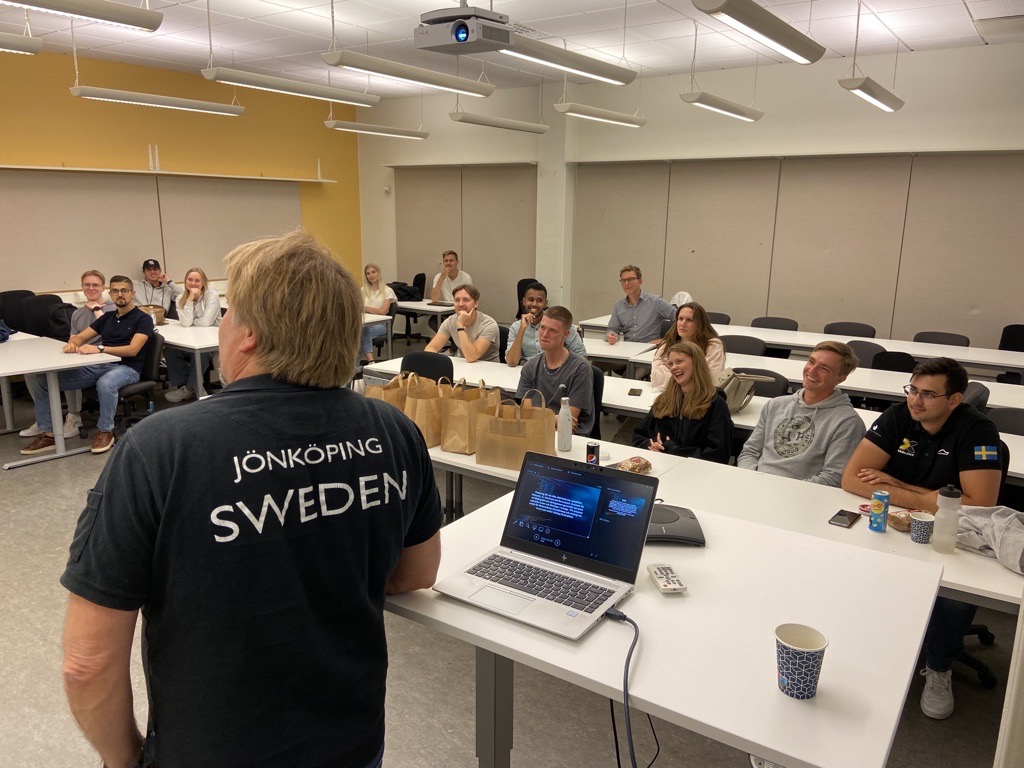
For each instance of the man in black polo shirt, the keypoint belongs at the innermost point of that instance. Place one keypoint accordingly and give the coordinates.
(258, 530)
(124, 334)
(914, 449)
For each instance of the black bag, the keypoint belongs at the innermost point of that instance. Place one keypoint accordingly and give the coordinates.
(405, 292)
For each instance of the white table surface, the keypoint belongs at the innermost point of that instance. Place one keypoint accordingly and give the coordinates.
(620, 352)
(596, 324)
(426, 308)
(195, 339)
(493, 374)
(41, 356)
(706, 660)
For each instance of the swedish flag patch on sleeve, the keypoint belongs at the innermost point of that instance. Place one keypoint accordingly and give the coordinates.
(986, 453)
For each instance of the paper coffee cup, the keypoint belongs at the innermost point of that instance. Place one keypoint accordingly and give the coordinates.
(799, 651)
(922, 524)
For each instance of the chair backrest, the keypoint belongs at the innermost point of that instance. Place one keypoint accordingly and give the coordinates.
(433, 365)
(941, 337)
(865, 351)
(502, 342)
(895, 361)
(719, 318)
(420, 284)
(778, 387)
(45, 316)
(1012, 338)
(11, 310)
(154, 353)
(849, 328)
(595, 433)
(976, 394)
(521, 287)
(744, 345)
(1008, 420)
(665, 325)
(780, 323)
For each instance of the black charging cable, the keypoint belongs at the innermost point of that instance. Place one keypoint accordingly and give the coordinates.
(617, 615)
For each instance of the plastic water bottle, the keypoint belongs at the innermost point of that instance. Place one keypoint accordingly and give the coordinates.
(947, 519)
(564, 426)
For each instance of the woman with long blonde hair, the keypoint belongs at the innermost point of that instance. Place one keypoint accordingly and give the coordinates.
(691, 417)
(199, 306)
(377, 298)
(692, 324)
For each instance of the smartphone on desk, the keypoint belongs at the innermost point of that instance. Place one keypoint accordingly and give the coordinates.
(635, 392)
(844, 518)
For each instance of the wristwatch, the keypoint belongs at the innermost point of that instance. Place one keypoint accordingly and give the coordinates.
(100, 347)
(459, 329)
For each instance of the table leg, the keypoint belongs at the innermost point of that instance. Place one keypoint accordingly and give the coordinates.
(5, 393)
(57, 419)
(198, 368)
(494, 686)
(391, 336)
(449, 496)
(458, 497)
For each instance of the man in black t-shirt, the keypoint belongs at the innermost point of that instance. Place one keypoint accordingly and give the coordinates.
(914, 449)
(258, 531)
(124, 334)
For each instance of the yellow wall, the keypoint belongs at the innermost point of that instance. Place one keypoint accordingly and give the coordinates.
(41, 124)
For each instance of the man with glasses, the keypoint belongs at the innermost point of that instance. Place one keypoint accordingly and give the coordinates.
(638, 316)
(914, 449)
(96, 304)
(124, 333)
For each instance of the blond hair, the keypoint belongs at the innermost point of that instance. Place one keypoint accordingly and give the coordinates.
(184, 294)
(848, 361)
(303, 307)
(673, 403)
(94, 273)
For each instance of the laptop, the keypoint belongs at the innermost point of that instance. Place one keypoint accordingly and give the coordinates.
(570, 548)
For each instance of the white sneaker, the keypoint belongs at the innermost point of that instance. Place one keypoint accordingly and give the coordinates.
(33, 431)
(937, 697)
(72, 423)
(178, 394)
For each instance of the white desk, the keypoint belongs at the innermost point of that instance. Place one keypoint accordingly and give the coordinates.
(197, 339)
(5, 386)
(493, 374)
(624, 352)
(596, 326)
(423, 308)
(369, 319)
(39, 355)
(706, 660)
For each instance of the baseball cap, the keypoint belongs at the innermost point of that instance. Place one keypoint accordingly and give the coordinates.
(151, 264)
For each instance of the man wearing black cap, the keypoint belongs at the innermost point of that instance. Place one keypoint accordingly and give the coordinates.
(157, 287)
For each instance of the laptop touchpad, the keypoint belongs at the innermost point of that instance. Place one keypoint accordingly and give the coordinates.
(500, 600)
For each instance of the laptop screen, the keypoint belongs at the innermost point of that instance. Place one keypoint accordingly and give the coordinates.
(589, 517)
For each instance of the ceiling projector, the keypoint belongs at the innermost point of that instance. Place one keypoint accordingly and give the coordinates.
(463, 30)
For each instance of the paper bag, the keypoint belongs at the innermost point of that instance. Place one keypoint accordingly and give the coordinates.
(393, 392)
(504, 434)
(423, 405)
(458, 416)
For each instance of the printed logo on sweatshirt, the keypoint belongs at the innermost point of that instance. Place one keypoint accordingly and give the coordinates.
(793, 436)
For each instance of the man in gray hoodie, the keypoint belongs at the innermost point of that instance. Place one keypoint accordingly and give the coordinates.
(810, 434)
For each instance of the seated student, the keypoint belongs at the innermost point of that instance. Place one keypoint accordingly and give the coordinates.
(691, 417)
(95, 305)
(199, 306)
(915, 448)
(692, 324)
(559, 372)
(449, 278)
(638, 315)
(125, 333)
(475, 334)
(810, 434)
(523, 333)
(377, 298)
(156, 288)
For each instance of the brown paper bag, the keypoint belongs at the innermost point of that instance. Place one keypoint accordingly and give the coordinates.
(459, 412)
(393, 392)
(423, 405)
(504, 434)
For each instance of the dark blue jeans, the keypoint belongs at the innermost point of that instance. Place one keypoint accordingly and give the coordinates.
(944, 638)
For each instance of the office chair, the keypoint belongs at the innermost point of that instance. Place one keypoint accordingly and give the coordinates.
(780, 323)
(865, 351)
(845, 328)
(744, 345)
(432, 365)
(143, 388)
(894, 361)
(976, 394)
(11, 310)
(1008, 420)
(778, 387)
(45, 316)
(595, 433)
(719, 318)
(665, 325)
(502, 342)
(940, 337)
(419, 284)
(1011, 339)
(380, 341)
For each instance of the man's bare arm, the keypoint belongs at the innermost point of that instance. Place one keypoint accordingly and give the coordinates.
(417, 567)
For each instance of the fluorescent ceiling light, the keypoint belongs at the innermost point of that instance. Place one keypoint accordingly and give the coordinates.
(156, 100)
(498, 122)
(289, 87)
(20, 44)
(376, 130)
(601, 115)
(873, 93)
(371, 65)
(568, 61)
(751, 19)
(722, 106)
(101, 11)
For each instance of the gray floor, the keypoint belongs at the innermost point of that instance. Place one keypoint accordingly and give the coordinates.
(430, 701)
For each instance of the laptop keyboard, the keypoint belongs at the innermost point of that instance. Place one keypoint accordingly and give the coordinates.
(545, 584)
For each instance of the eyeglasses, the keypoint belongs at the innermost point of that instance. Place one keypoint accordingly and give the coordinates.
(92, 285)
(927, 397)
(628, 280)
(120, 291)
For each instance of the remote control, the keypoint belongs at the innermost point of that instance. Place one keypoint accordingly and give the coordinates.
(665, 576)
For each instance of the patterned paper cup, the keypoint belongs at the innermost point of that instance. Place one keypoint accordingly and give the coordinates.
(921, 526)
(799, 651)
